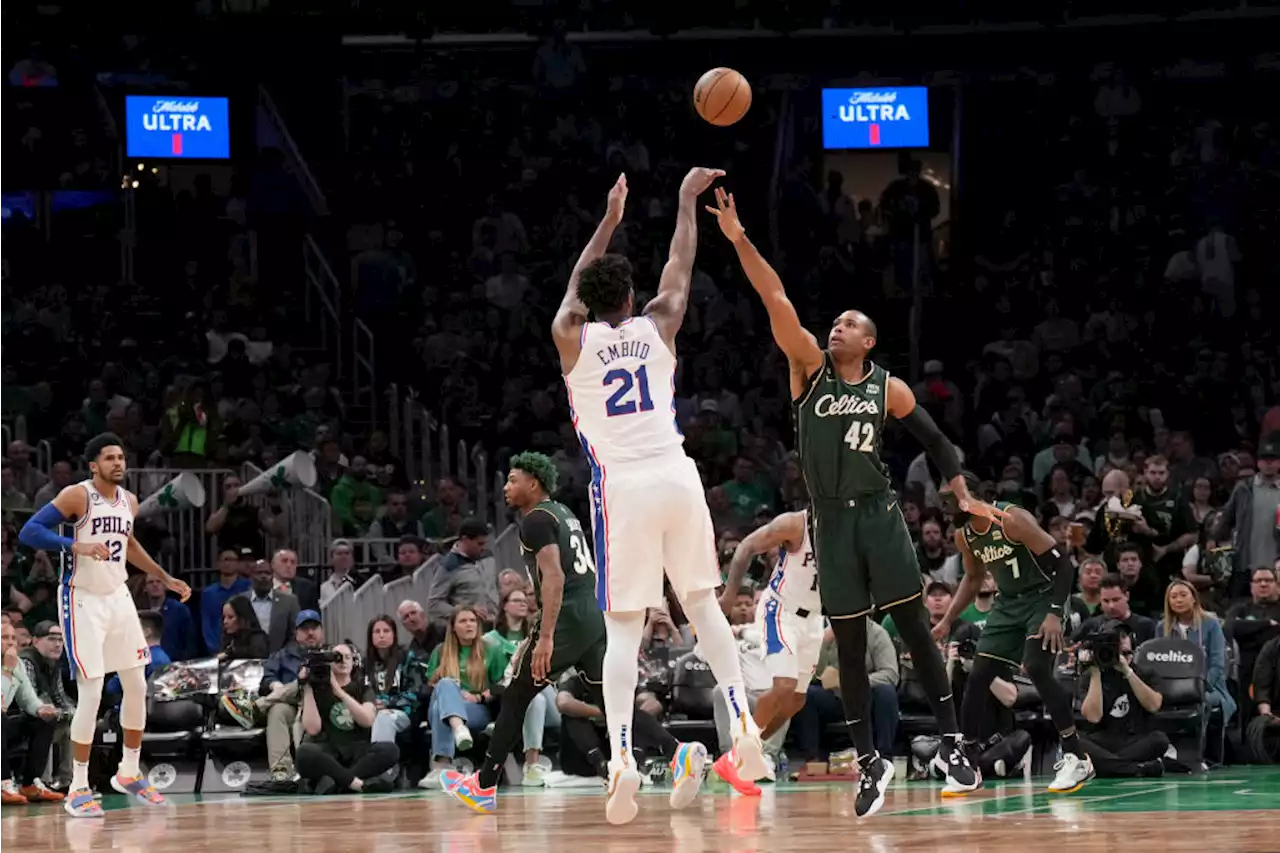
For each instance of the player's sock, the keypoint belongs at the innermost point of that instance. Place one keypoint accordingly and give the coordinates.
(719, 649)
(855, 688)
(623, 632)
(79, 775)
(1071, 743)
(129, 763)
(912, 622)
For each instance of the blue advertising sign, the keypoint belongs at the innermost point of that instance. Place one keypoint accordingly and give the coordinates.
(875, 118)
(186, 127)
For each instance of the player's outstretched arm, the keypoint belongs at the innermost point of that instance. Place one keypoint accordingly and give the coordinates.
(795, 341)
(572, 313)
(785, 531)
(668, 307)
(966, 592)
(138, 556)
(41, 530)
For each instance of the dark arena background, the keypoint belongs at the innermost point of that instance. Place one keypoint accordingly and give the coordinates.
(303, 258)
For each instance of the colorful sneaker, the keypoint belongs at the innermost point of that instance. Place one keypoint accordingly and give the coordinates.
(686, 773)
(726, 768)
(748, 750)
(137, 786)
(39, 792)
(624, 781)
(80, 803)
(9, 795)
(467, 790)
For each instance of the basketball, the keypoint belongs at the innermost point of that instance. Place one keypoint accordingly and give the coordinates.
(722, 96)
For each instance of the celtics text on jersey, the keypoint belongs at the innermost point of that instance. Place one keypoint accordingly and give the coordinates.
(1015, 568)
(839, 428)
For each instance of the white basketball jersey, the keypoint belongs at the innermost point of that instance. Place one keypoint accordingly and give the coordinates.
(622, 393)
(795, 579)
(109, 523)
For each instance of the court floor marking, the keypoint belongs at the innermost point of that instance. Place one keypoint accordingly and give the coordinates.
(1048, 803)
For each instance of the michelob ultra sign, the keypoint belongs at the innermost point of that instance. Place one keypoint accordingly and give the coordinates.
(875, 118)
(169, 126)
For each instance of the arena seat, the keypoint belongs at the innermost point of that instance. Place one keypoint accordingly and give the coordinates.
(234, 756)
(1176, 668)
(693, 696)
(915, 716)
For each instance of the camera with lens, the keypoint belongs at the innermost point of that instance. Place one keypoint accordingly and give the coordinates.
(967, 648)
(318, 664)
(1103, 643)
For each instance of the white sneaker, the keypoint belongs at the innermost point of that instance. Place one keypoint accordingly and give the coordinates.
(462, 740)
(624, 781)
(749, 749)
(534, 776)
(1071, 774)
(771, 773)
(687, 772)
(431, 781)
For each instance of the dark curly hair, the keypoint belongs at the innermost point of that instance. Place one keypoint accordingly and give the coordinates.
(538, 466)
(604, 284)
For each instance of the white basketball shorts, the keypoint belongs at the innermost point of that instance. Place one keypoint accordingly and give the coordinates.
(792, 642)
(648, 518)
(102, 632)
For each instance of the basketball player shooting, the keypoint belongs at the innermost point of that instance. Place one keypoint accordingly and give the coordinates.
(98, 617)
(649, 511)
(866, 560)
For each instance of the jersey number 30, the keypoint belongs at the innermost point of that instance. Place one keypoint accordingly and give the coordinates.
(861, 436)
(620, 402)
(582, 562)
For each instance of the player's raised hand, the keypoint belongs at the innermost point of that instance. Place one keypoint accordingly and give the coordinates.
(617, 199)
(699, 180)
(181, 588)
(96, 550)
(982, 509)
(726, 214)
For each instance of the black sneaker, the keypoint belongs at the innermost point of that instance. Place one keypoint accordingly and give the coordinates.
(877, 773)
(378, 785)
(952, 762)
(1151, 769)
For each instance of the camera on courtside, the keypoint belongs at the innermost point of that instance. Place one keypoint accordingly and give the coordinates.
(318, 664)
(967, 648)
(1103, 644)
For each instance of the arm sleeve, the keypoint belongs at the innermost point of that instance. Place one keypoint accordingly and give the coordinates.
(1064, 576)
(921, 425)
(539, 529)
(40, 531)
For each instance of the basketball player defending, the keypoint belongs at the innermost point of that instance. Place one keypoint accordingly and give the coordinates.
(789, 617)
(99, 620)
(866, 560)
(649, 511)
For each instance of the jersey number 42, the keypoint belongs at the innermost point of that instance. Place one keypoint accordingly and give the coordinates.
(861, 437)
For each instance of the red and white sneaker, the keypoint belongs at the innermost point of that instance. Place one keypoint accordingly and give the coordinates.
(726, 767)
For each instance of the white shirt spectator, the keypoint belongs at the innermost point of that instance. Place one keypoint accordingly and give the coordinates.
(1216, 256)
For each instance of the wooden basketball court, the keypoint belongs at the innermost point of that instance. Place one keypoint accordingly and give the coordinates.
(1230, 811)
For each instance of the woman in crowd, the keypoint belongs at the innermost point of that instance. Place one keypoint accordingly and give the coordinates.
(511, 630)
(242, 636)
(513, 623)
(337, 755)
(397, 677)
(1185, 618)
(461, 670)
(1201, 499)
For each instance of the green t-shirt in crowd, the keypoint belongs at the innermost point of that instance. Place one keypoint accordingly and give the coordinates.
(495, 664)
(337, 726)
(506, 641)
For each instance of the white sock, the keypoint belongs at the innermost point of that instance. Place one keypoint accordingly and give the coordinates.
(623, 632)
(129, 763)
(719, 649)
(79, 775)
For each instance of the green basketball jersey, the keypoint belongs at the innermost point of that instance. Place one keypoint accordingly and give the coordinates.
(1011, 563)
(838, 429)
(575, 554)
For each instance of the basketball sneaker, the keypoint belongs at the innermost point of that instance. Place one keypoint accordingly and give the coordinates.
(139, 787)
(686, 773)
(624, 781)
(873, 782)
(726, 767)
(748, 749)
(467, 790)
(1071, 774)
(81, 803)
(954, 765)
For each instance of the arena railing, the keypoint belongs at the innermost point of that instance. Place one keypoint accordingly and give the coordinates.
(308, 520)
(192, 551)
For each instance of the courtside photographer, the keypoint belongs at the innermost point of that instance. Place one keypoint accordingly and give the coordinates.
(1118, 705)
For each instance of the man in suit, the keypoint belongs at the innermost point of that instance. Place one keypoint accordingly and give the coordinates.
(284, 565)
(277, 611)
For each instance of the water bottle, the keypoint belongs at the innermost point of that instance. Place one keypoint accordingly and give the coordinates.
(781, 773)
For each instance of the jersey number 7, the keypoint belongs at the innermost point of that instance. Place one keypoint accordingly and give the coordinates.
(618, 404)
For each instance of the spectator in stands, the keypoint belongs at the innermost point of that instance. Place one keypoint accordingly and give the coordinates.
(1118, 704)
(930, 551)
(277, 611)
(822, 700)
(242, 636)
(1251, 514)
(409, 558)
(284, 567)
(229, 584)
(33, 723)
(1084, 604)
(1185, 618)
(937, 598)
(12, 499)
(394, 523)
(337, 755)
(1115, 605)
(461, 671)
(60, 474)
(152, 622)
(278, 696)
(27, 479)
(238, 524)
(660, 629)
(511, 627)
(178, 638)
(426, 635)
(450, 498)
(42, 662)
(1139, 578)
(341, 560)
(511, 579)
(398, 678)
(1254, 622)
(355, 498)
(1266, 679)
(460, 580)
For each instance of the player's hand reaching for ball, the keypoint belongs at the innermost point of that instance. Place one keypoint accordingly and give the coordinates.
(973, 506)
(726, 214)
(96, 550)
(617, 199)
(174, 585)
(698, 181)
